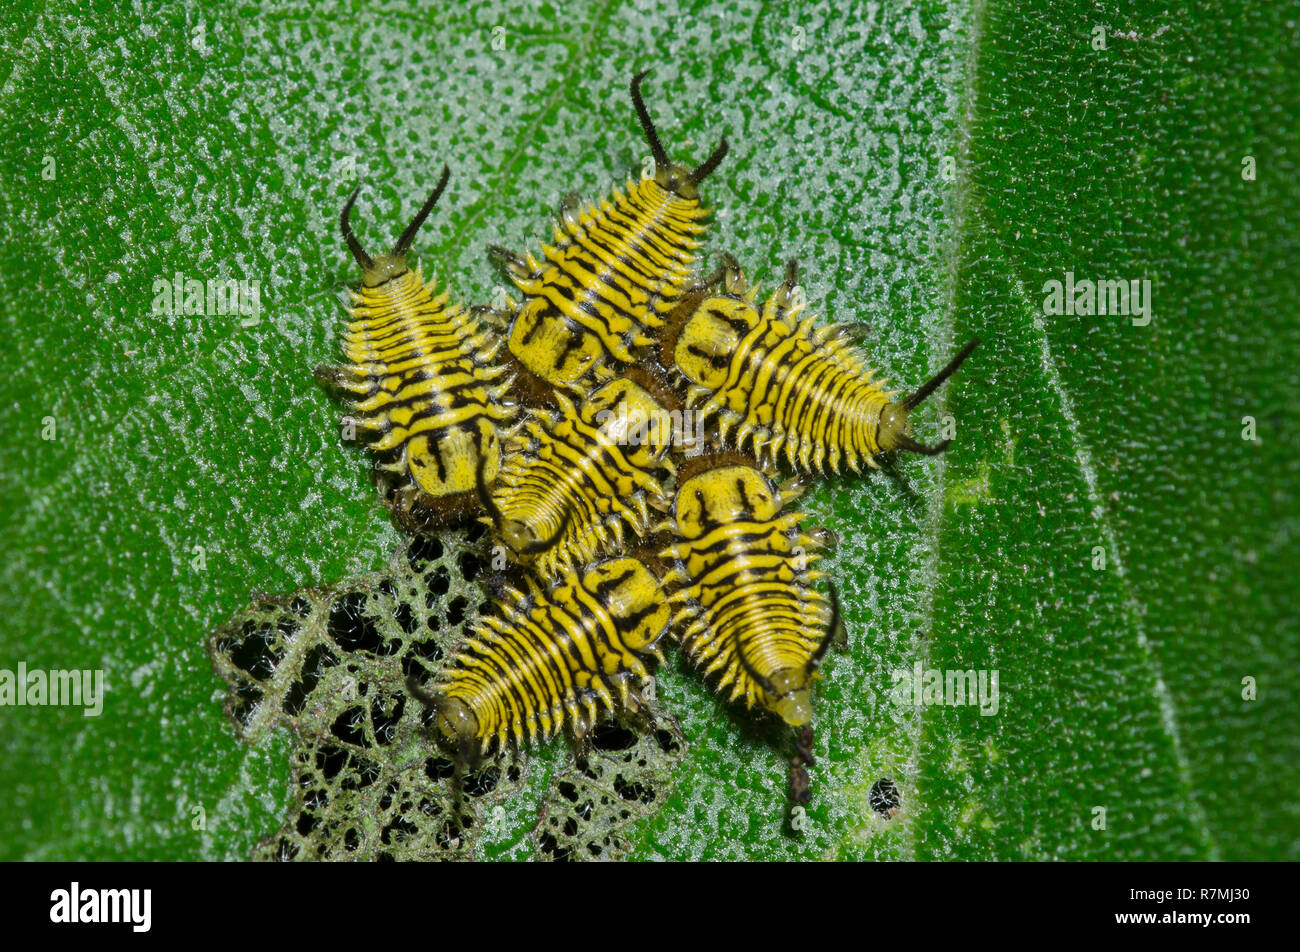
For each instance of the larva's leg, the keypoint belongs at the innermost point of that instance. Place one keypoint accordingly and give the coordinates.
(793, 488)
(734, 277)
(570, 211)
(494, 317)
(825, 539)
(509, 263)
(856, 333)
(637, 711)
(785, 296)
(342, 378)
(580, 738)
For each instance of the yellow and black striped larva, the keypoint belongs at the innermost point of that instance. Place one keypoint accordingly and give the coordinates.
(777, 385)
(552, 660)
(425, 392)
(574, 479)
(613, 272)
(745, 607)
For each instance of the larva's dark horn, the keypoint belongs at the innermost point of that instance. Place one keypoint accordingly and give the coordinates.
(912, 400)
(354, 246)
(541, 545)
(404, 243)
(831, 630)
(905, 442)
(647, 126)
(417, 691)
(762, 681)
(711, 162)
(485, 494)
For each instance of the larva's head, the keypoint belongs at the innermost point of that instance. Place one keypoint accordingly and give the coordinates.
(721, 496)
(456, 723)
(791, 698)
(710, 337)
(632, 418)
(384, 267)
(892, 427)
(681, 180)
(458, 727)
(893, 431)
(632, 596)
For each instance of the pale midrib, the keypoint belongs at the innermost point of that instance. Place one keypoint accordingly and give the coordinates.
(1132, 608)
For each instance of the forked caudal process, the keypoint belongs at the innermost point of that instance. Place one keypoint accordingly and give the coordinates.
(556, 422)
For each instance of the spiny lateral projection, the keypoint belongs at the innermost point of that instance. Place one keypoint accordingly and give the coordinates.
(552, 660)
(574, 479)
(776, 385)
(612, 273)
(745, 608)
(425, 392)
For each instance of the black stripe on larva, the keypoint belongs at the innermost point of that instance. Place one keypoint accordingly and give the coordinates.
(587, 307)
(619, 400)
(718, 360)
(439, 463)
(610, 257)
(569, 347)
(721, 544)
(521, 689)
(633, 620)
(748, 512)
(528, 335)
(635, 256)
(594, 282)
(607, 586)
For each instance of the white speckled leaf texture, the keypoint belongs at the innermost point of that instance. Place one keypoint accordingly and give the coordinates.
(1101, 534)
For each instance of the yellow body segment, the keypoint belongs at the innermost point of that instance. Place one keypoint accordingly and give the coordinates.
(577, 478)
(774, 383)
(425, 392)
(553, 660)
(745, 608)
(613, 272)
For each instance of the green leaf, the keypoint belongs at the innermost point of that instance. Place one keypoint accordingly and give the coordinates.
(931, 166)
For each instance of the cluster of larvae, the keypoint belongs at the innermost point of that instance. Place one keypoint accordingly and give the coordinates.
(563, 422)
